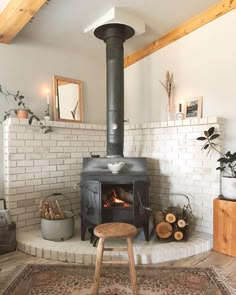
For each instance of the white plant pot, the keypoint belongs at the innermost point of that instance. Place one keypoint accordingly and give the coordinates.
(228, 187)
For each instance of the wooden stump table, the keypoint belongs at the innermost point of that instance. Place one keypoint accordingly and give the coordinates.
(115, 230)
(224, 229)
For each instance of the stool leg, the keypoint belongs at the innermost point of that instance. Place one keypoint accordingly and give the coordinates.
(132, 267)
(98, 266)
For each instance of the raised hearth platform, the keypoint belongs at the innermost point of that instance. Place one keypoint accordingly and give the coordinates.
(83, 252)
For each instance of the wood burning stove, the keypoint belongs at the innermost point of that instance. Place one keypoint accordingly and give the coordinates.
(107, 197)
(100, 189)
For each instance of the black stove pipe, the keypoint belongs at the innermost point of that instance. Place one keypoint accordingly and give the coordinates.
(114, 35)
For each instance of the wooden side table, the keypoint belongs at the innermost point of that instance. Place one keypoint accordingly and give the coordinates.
(224, 226)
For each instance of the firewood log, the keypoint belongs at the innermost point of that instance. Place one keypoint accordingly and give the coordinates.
(170, 217)
(54, 209)
(178, 235)
(164, 230)
(181, 223)
(60, 212)
(51, 211)
(43, 208)
(47, 215)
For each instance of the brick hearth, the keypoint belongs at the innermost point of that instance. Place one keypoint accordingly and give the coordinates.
(75, 250)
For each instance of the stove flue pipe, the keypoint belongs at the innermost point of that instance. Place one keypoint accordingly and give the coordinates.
(114, 35)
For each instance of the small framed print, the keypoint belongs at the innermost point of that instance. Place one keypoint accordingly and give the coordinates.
(193, 107)
(2, 204)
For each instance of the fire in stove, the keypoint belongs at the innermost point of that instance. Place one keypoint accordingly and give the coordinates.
(117, 196)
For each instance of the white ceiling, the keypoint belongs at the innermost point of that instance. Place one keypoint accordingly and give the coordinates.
(61, 23)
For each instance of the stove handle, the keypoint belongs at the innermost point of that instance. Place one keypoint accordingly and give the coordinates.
(88, 188)
(89, 209)
(142, 207)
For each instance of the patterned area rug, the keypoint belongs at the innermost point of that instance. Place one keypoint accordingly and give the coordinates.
(63, 279)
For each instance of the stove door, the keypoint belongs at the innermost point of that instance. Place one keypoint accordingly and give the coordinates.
(91, 202)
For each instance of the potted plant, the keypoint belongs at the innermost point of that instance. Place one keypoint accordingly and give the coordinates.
(22, 111)
(227, 164)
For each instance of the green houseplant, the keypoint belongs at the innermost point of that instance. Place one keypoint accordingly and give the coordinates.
(22, 111)
(227, 163)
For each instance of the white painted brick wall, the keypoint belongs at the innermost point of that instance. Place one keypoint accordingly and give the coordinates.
(37, 165)
(177, 165)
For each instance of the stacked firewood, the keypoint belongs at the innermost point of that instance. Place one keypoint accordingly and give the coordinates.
(50, 210)
(172, 224)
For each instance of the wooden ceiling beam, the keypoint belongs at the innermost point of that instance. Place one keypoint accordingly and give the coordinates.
(196, 22)
(15, 16)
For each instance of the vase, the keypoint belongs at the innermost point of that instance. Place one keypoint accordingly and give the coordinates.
(170, 112)
(228, 187)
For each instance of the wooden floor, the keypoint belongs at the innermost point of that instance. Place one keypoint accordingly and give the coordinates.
(225, 263)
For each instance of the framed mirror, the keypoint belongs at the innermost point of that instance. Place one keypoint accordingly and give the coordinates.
(67, 99)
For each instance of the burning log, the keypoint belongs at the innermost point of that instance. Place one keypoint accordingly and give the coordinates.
(112, 198)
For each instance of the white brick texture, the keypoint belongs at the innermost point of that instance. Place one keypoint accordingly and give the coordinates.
(37, 165)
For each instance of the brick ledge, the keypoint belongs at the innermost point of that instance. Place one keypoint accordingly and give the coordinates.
(77, 251)
(164, 124)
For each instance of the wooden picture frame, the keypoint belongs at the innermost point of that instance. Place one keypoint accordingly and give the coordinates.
(67, 99)
(192, 107)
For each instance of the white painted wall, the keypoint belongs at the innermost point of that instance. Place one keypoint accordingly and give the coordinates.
(29, 67)
(203, 64)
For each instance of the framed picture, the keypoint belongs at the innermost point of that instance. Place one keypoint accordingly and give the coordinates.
(2, 204)
(193, 107)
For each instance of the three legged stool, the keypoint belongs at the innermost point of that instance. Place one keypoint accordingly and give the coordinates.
(115, 230)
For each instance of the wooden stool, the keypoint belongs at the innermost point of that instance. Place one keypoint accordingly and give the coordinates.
(115, 230)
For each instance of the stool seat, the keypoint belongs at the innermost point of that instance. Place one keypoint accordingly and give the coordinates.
(115, 230)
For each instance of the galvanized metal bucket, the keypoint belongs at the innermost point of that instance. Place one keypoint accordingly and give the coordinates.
(60, 229)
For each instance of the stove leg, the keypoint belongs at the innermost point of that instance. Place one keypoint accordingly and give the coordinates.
(146, 231)
(83, 230)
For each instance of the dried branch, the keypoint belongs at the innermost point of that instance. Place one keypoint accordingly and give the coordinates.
(168, 85)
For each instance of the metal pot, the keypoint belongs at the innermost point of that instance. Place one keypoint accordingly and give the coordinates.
(58, 230)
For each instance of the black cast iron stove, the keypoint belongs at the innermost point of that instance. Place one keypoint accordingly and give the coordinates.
(107, 197)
